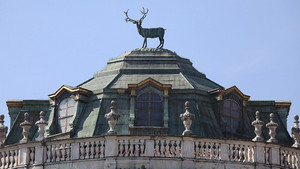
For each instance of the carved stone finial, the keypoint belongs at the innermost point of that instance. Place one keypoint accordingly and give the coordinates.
(296, 132)
(41, 125)
(3, 130)
(296, 118)
(187, 119)
(112, 118)
(26, 125)
(1, 118)
(257, 123)
(272, 129)
(187, 106)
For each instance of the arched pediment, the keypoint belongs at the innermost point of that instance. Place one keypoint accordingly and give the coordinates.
(235, 89)
(232, 90)
(152, 82)
(65, 88)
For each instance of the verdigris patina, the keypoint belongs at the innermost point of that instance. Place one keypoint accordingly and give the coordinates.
(147, 32)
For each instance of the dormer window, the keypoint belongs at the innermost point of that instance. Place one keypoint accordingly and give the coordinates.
(231, 114)
(65, 113)
(149, 110)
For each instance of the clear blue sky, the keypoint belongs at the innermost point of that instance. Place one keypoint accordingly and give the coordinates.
(252, 44)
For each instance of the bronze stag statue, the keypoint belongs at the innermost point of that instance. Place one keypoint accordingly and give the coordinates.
(147, 32)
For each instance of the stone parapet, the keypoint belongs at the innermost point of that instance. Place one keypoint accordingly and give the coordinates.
(148, 152)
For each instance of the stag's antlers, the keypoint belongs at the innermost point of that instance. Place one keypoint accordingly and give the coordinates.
(131, 20)
(144, 14)
(127, 18)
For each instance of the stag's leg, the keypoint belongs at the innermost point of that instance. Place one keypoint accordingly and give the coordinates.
(161, 44)
(145, 43)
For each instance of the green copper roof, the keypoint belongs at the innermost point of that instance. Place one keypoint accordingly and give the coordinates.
(161, 65)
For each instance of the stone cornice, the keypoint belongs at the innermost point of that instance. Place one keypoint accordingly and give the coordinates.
(14, 103)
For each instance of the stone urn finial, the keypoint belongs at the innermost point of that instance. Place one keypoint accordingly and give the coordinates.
(112, 118)
(41, 125)
(296, 132)
(272, 129)
(257, 123)
(26, 125)
(3, 130)
(187, 119)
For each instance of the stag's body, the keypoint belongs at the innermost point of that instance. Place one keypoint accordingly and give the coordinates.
(147, 32)
(151, 33)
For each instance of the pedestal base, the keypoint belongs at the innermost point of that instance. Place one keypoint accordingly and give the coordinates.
(258, 138)
(187, 132)
(111, 132)
(272, 140)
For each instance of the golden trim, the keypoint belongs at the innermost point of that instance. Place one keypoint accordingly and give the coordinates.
(231, 89)
(234, 88)
(151, 82)
(283, 104)
(75, 90)
(166, 92)
(220, 97)
(77, 96)
(14, 103)
(121, 91)
(133, 92)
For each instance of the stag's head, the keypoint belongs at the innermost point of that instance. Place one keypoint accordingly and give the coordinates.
(138, 22)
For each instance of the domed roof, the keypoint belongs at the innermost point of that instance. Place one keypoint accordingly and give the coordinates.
(144, 73)
(161, 65)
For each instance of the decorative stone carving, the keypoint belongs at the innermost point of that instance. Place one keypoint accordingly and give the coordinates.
(26, 125)
(296, 132)
(112, 118)
(257, 125)
(41, 125)
(3, 130)
(272, 129)
(187, 119)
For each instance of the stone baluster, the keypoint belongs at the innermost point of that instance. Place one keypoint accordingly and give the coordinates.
(187, 119)
(95, 149)
(3, 130)
(296, 132)
(41, 125)
(272, 129)
(201, 150)
(68, 151)
(63, 152)
(102, 149)
(142, 148)
(112, 118)
(26, 125)
(257, 125)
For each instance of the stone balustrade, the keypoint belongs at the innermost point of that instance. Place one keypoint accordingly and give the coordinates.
(148, 149)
